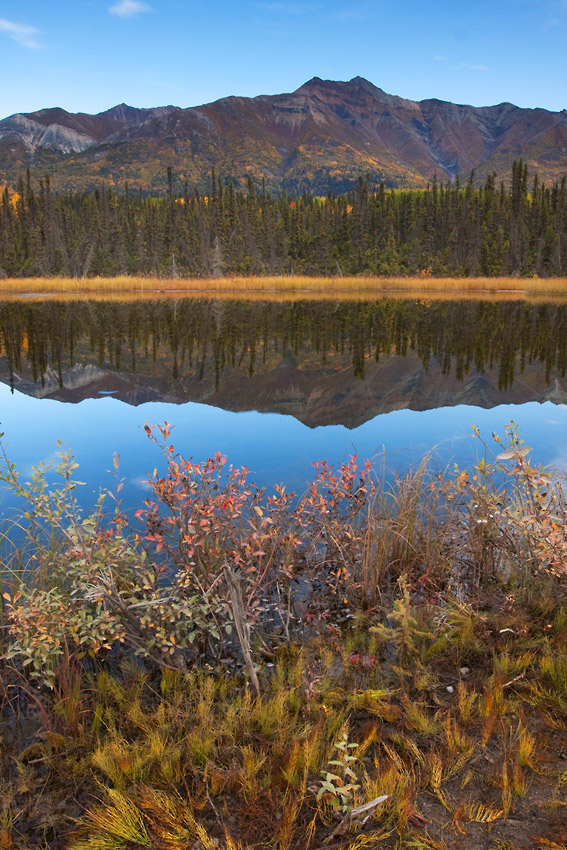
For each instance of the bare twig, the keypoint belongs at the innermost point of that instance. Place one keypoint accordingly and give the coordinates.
(242, 625)
(516, 679)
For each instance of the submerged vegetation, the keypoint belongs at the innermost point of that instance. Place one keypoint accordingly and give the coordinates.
(447, 230)
(367, 665)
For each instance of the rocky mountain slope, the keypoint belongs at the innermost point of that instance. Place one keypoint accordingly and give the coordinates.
(315, 394)
(318, 138)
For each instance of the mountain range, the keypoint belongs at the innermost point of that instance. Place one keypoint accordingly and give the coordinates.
(313, 393)
(320, 138)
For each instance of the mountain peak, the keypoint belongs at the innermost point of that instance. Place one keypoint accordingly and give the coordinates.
(133, 114)
(318, 82)
(353, 88)
(319, 138)
(363, 83)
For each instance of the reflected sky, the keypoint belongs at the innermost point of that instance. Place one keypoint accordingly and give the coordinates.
(276, 448)
(331, 379)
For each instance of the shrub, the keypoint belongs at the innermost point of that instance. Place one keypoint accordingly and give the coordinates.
(221, 570)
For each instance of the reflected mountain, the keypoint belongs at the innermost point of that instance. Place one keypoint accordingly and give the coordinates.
(321, 362)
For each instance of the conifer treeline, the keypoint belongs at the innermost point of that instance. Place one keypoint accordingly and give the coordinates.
(205, 337)
(450, 230)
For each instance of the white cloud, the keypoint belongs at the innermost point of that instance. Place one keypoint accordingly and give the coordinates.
(466, 66)
(139, 481)
(22, 33)
(128, 8)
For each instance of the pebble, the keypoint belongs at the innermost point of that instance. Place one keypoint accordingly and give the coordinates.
(450, 689)
(464, 671)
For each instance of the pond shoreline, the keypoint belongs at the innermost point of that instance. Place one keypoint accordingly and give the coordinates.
(417, 699)
(270, 285)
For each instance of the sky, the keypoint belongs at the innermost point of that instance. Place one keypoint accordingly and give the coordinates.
(89, 55)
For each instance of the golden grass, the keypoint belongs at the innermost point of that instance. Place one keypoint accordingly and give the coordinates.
(281, 297)
(197, 761)
(447, 714)
(286, 287)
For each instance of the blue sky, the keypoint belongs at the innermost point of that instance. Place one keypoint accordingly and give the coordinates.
(89, 55)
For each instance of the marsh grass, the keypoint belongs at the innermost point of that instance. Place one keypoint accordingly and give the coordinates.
(445, 685)
(177, 760)
(424, 284)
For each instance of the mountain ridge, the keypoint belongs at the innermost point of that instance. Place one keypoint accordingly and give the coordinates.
(319, 138)
(315, 395)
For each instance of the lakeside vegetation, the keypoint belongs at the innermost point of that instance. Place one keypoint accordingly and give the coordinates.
(446, 230)
(367, 665)
(422, 285)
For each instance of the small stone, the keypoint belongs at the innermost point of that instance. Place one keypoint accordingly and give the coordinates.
(450, 689)
(464, 671)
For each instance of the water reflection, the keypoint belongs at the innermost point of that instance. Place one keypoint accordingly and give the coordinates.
(321, 362)
(394, 377)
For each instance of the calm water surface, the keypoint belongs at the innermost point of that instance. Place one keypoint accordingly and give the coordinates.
(275, 386)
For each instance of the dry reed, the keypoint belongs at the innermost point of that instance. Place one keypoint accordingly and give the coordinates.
(286, 284)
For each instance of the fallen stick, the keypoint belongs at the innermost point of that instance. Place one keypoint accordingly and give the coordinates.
(365, 810)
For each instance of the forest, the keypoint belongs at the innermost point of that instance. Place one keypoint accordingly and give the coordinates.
(453, 229)
(190, 335)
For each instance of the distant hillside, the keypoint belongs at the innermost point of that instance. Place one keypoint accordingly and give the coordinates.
(318, 138)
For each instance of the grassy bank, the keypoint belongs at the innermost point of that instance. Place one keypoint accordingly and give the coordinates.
(235, 285)
(283, 296)
(366, 666)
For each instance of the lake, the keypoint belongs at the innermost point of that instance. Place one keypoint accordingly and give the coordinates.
(277, 384)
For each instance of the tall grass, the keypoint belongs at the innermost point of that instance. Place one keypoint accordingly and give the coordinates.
(413, 697)
(288, 284)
